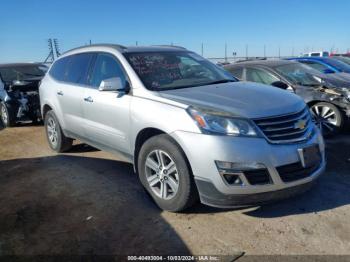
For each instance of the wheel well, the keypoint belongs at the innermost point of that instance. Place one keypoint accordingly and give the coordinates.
(141, 138)
(46, 109)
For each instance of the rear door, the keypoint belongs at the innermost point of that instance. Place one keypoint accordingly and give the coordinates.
(106, 113)
(72, 74)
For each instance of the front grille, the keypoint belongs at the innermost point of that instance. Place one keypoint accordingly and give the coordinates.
(258, 176)
(287, 128)
(296, 171)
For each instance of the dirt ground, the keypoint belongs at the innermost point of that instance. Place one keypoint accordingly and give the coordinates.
(88, 202)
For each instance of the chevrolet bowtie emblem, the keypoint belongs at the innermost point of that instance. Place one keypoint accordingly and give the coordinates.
(301, 124)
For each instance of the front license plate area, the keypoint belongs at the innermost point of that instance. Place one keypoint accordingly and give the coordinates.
(309, 156)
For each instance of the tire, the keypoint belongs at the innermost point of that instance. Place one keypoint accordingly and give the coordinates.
(8, 115)
(55, 137)
(180, 191)
(328, 118)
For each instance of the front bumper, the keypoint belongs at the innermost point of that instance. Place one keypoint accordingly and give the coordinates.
(203, 150)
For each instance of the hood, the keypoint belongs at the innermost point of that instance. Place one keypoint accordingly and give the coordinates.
(245, 99)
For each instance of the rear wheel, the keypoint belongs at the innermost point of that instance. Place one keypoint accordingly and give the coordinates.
(164, 172)
(328, 118)
(57, 140)
(8, 116)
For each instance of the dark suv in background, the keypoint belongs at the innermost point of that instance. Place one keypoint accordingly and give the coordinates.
(19, 94)
(328, 96)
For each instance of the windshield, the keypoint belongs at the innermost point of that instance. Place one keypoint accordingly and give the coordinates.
(341, 66)
(9, 74)
(346, 60)
(299, 74)
(172, 70)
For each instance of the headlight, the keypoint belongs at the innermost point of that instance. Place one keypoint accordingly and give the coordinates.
(347, 93)
(221, 123)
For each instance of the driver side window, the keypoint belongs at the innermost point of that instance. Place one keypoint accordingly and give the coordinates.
(106, 66)
(260, 76)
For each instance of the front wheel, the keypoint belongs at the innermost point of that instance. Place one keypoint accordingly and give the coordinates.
(56, 138)
(8, 116)
(164, 172)
(328, 118)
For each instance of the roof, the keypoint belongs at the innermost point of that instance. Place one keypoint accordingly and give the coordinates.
(268, 63)
(18, 64)
(130, 49)
(315, 58)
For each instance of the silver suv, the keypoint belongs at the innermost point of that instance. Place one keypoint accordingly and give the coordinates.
(190, 129)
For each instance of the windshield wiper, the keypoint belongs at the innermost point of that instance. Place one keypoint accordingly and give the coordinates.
(220, 81)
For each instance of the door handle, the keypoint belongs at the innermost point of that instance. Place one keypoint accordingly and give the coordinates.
(88, 99)
(60, 93)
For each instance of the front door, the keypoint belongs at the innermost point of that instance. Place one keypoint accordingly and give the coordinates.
(106, 113)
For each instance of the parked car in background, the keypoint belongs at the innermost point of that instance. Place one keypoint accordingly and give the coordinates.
(189, 128)
(324, 65)
(328, 96)
(343, 59)
(317, 54)
(19, 94)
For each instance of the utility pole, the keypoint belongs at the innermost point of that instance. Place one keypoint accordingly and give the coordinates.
(90, 42)
(202, 50)
(57, 48)
(264, 51)
(225, 52)
(279, 52)
(246, 52)
(51, 55)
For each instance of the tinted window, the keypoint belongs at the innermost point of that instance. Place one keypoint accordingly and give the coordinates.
(78, 67)
(106, 66)
(315, 65)
(237, 72)
(260, 76)
(58, 69)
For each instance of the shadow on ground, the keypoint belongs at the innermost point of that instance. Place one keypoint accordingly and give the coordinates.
(79, 205)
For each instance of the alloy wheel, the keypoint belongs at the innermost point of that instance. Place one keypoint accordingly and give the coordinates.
(52, 132)
(161, 174)
(325, 118)
(4, 115)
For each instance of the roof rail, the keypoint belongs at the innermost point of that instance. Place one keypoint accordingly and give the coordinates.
(251, 59)
(175, 46)
(97, 45)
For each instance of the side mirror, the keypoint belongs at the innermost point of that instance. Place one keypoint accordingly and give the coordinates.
(328, 71)
(112, 84)
(280, 84)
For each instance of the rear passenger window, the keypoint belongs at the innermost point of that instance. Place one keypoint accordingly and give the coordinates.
(106, 66)
(78, 68)
(58, 69)
(236, 72)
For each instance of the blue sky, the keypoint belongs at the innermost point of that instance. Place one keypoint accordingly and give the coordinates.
(285, 24)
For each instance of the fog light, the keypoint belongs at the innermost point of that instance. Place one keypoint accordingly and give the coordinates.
(223, 165)
(233, 179)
